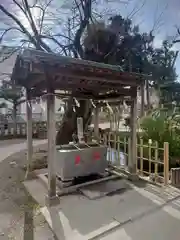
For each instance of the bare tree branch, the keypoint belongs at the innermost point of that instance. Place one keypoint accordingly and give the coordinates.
(158, 19)
(11, 53)
(8, 30)
(176, 41)
(86, 6)
(43, 15)
(136, 9)
(178, 30)
(175, 58)
(57, 42)
(79, 5)
(64, 36)
(35, 40)
(34, 4)
(18, 22)
(20, 7)
(178, 35)
(39, 42)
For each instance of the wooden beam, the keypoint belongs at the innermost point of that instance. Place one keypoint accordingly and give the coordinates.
(40, 63)
(96, 71)
(68, 81)
(51, 123)
(114, 103)
(83, 96)
(102, 79)
(79, 92)
(47, 60)
(124, 79)
(120, 94)
(67, 84)
(29, 132)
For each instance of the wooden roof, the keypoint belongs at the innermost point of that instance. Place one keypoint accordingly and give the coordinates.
(39, 71)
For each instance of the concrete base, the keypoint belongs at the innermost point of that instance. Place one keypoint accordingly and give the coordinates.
(126, 174)
(133, 177)
(52, 201)
(30, 175)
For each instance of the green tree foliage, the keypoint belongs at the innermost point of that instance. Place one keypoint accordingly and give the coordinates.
(3, 105)
(118, 42)
(163, 60)
(163, 126)
(163, 70)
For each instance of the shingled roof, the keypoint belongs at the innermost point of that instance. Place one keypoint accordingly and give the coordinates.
(37, 70)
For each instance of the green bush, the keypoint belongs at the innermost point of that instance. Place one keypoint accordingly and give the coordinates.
(163, 128)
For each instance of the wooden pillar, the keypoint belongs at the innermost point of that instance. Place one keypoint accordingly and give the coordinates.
(133, 134)
(166, 163)
(29, 132)
(80, 131)
(96, 122)
(142, 88)
(51, 133)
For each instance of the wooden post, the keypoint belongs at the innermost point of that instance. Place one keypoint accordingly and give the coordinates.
(156, 161)
(141, 157)
(51, 133)
(175, 177)
(29, 133)
(80, 131)
(133, 137)
(129, 152)
(166, 163)
(149, 157)
(96, 122)
(142, 88)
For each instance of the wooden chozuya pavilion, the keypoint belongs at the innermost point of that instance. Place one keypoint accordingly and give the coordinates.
(45, 73)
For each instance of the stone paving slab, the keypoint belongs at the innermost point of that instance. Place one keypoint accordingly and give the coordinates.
(168, 194)
(132, 205)
(157, 226)
(154, 226)
(126, 216)
(79, 218)
(103, 189)
(144, 211)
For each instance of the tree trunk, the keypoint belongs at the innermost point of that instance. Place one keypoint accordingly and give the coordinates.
(69, 125)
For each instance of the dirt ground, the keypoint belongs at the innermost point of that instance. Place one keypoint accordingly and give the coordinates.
(19, 215)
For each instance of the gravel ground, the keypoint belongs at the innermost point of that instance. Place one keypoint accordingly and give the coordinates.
(19, 215)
